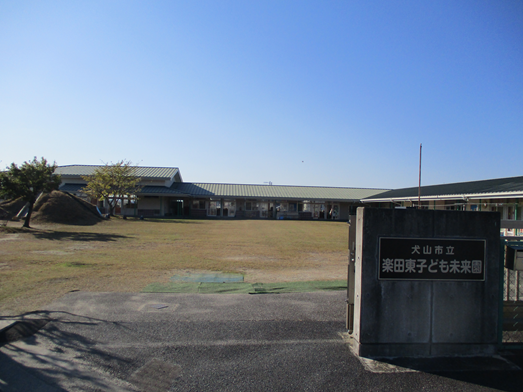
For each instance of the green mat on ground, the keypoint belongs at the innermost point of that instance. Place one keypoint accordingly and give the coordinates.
(213, 277)
(245, 288)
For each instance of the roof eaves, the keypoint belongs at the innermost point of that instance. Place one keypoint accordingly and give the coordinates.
(456, 196)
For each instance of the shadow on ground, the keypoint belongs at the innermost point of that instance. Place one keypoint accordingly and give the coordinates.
(167, 220)
(197, 353)
(74, 236)
(501, 372)
(44, 359)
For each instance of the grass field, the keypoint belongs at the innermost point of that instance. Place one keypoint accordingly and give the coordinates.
(41, 264)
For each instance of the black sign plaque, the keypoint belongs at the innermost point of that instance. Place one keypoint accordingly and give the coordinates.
(431, 259)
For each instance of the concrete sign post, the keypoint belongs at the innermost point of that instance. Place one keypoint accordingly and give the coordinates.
(426, 283)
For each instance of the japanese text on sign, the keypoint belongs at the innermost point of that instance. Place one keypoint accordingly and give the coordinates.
(431, 259)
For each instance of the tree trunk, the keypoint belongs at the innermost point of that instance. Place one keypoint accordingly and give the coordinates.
(111, 206)
(28, 216)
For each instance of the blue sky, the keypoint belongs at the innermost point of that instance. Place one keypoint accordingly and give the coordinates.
(332, 93)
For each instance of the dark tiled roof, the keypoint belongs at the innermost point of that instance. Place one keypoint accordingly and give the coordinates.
(495, 186)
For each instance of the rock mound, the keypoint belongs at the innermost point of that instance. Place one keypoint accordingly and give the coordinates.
(62, 207)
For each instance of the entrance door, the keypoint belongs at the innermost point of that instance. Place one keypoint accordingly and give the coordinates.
(214, 208)
(263, 207)
(319, 211)
(329, 211)
(333, 211)
(229, 208)
(177, 207)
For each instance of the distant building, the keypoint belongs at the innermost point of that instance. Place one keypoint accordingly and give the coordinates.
(504, 195)
(164, 194)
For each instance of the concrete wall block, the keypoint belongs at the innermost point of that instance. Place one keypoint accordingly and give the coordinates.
(407, 305)
(392, 350)
(449, 350)
(424, 317)
(463, 314)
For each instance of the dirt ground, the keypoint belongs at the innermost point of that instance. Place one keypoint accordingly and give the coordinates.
(40, 264)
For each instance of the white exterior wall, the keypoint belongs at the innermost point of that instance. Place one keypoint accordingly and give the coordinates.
(146, 203)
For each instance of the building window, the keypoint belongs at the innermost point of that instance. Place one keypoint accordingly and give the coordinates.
(304, 207)
(198, 204)
(229, 208)
(251, 206)
(334, 212)
(281, 207)
(319, 211)
(263, 208)
(214, 208)
(510, 213)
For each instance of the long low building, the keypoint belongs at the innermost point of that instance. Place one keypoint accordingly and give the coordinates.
(504, 195)
(164, 194)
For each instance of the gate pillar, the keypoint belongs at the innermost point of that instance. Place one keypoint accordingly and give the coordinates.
(426, 283)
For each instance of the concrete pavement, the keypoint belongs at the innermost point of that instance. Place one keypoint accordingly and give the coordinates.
(220, 342)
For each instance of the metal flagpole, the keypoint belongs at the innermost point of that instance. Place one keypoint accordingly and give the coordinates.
(419, 183)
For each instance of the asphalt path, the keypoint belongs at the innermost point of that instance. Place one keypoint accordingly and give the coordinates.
(219, 342)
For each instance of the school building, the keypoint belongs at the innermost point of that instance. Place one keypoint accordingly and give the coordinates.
(504, 195)
(164, 194)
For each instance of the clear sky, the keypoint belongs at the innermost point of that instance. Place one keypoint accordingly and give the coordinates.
(329, 93)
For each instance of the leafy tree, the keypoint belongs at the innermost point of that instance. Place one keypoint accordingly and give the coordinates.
(28, 181)
(112, 182)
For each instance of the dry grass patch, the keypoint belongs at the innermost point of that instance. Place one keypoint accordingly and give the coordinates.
(43, 263)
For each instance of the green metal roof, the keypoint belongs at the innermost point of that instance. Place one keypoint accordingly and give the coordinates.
(273, 192)
(209, 190)
(164, 173)
(499, 187)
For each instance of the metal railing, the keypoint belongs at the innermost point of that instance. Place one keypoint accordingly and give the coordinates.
(511, 318)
